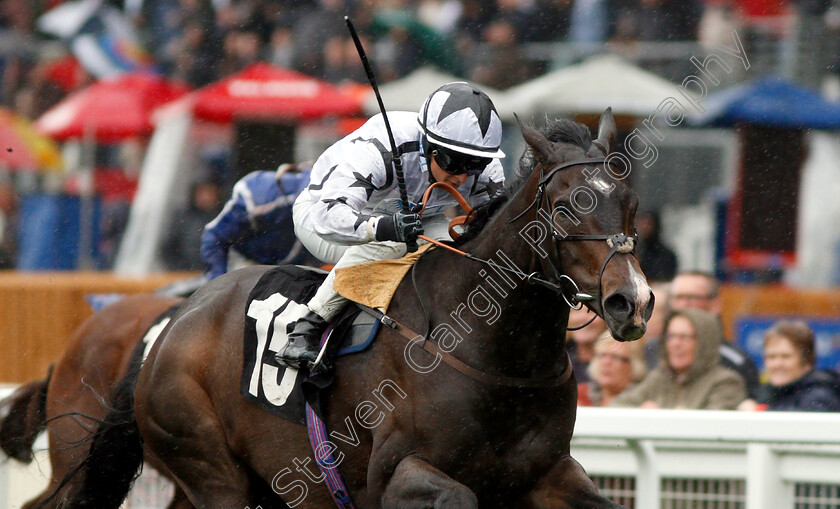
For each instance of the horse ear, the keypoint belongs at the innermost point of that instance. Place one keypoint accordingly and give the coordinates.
(542, 147)
(606, 132)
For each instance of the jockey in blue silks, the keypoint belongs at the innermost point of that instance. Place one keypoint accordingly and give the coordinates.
(255, 226)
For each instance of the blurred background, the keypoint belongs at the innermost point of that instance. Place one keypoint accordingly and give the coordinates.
(125, 124)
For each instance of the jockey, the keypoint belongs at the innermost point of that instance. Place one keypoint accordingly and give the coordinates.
(255, 225)
(351, 211)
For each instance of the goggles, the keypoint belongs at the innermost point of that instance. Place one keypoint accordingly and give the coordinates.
(456, 163)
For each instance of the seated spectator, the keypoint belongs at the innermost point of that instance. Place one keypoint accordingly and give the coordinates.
(688, 375)
(196, 55)
(580, 344)
(615, 367)
(794, 384)
(700, 290)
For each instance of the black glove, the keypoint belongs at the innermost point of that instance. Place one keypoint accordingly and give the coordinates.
(400, 227)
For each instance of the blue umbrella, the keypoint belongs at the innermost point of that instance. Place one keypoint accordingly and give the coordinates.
(772, 102)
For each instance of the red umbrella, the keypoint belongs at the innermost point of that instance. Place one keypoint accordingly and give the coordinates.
(110, 110)
(266, 92)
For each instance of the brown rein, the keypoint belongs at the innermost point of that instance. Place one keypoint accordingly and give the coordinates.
(458, 221)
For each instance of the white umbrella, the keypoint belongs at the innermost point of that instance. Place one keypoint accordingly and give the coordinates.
(409, 92)
(590, 87)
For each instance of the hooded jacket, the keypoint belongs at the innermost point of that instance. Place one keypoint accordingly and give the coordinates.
(706, 384)
(816, 391)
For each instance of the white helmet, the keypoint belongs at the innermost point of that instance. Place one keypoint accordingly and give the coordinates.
(462, 118)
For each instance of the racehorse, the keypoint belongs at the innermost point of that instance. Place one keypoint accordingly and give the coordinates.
(437, 437)
(73, 397)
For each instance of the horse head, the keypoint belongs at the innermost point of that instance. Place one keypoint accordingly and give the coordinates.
(582, 223)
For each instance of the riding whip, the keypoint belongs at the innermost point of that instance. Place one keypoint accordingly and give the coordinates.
(411, 245)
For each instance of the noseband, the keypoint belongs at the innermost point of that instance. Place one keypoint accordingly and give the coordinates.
(618, 243)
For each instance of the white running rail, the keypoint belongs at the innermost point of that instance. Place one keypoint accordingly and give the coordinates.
(661, 458)
(779, 459)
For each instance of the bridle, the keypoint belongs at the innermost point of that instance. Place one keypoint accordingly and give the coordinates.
(564, 285)
(618, 243)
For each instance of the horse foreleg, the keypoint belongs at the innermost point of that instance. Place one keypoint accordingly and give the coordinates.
(566, 486)
(417, 484)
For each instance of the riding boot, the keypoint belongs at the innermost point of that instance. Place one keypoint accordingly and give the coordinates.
(304, 342)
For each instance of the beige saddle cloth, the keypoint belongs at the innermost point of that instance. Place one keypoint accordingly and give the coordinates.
(374, 283)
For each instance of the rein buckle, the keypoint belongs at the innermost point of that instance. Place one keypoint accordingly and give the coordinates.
(388, 321)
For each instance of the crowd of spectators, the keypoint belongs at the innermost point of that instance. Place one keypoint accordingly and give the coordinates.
(695, 367)
(198, 42)
(201, 41)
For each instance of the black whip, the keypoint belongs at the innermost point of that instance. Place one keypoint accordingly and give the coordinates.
(411, 245)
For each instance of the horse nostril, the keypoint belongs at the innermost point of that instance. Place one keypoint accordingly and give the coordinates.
(619, 306)
(649, 308)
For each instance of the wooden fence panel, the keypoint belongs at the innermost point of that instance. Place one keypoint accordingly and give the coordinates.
(39, 311)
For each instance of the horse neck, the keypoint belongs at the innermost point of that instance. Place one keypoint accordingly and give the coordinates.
(528, 336)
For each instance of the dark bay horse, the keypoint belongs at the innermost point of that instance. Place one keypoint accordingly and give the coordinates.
(74, 396)
(406, 432)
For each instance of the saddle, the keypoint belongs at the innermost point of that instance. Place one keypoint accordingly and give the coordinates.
(277, 300)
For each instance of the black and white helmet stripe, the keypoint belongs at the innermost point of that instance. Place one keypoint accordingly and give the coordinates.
(461, 117)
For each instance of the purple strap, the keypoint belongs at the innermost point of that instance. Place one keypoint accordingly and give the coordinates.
(326, 463)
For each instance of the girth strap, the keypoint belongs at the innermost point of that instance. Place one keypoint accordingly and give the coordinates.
(465, 369)
(317, 431)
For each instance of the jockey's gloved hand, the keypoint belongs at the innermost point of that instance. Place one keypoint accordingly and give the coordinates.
(400, 227)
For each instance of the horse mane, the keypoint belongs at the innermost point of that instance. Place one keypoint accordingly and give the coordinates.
(559, 130)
